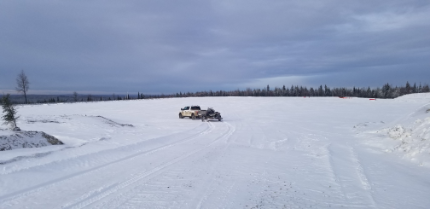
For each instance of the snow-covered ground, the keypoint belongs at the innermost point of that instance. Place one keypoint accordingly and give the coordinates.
(267, 153)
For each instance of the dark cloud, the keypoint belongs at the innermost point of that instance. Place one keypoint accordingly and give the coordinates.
(170, 46)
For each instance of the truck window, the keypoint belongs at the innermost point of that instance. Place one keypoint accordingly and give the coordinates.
(186, 108)
(195, 108)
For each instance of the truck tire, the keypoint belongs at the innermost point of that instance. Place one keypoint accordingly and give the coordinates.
(180, 116)
(193, 116)
(203, 119)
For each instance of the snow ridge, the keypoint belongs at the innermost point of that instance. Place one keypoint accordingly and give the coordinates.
(27, 139)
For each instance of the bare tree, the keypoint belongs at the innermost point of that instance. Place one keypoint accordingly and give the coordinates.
(22, 84)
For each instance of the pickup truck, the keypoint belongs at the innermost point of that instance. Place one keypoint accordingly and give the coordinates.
(190, 111)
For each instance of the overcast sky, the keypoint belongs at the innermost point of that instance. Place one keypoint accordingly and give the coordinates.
(158, 46)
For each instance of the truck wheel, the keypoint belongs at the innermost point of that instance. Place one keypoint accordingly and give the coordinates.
(193, 116)
(180, 116)
(203, 119)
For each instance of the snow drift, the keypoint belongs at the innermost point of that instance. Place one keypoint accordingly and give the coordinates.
(412, 140)
(407, 136)
(27, 139)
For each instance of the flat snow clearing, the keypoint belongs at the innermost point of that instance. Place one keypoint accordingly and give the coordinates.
(267, 153)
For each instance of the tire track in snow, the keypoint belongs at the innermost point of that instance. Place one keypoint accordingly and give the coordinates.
(132, 146)
(5, 199)
(350, 176)
(209, 178)
(117, 202)
(92, 198)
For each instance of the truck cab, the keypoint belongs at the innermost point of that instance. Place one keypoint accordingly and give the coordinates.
(191, 111)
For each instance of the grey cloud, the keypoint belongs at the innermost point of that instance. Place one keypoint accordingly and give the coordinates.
(170, 46)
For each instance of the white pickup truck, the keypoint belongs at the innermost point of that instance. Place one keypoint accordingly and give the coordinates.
(190, 111)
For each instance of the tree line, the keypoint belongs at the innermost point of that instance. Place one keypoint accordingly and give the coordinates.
(386, 91)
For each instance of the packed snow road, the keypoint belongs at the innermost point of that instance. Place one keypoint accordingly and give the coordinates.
(267, 153)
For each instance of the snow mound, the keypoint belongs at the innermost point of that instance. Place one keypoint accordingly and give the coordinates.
(413, 142)
(408, 136)
(27, 139)
(416, 96)
(397, 132)
(409, 140)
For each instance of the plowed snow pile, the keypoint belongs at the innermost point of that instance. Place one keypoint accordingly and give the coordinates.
(413, 140)
(26, 139)
(408, 136)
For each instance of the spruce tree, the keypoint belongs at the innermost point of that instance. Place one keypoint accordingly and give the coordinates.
(386, 90)
(75, 96)
(9, 111)
(426, 88)
(408, 88)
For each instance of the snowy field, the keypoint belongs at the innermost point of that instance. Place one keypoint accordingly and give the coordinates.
(267, 153)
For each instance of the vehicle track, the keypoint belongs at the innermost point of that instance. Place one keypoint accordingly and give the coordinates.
(209, 178)
(347, 172)
(136, 147)
(125, 188)
(13, 198)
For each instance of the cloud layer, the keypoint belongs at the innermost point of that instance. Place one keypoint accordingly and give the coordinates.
(171, 46)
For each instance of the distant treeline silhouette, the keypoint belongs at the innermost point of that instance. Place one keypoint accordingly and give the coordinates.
(387, 91)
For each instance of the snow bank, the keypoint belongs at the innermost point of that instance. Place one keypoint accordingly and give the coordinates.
(412, 140)
(418, 96)
(27, 139)
(408, 136)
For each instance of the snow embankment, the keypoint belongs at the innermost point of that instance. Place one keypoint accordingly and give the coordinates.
(417, 96)
(408, 136)
(27, 139)
(412, 141)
